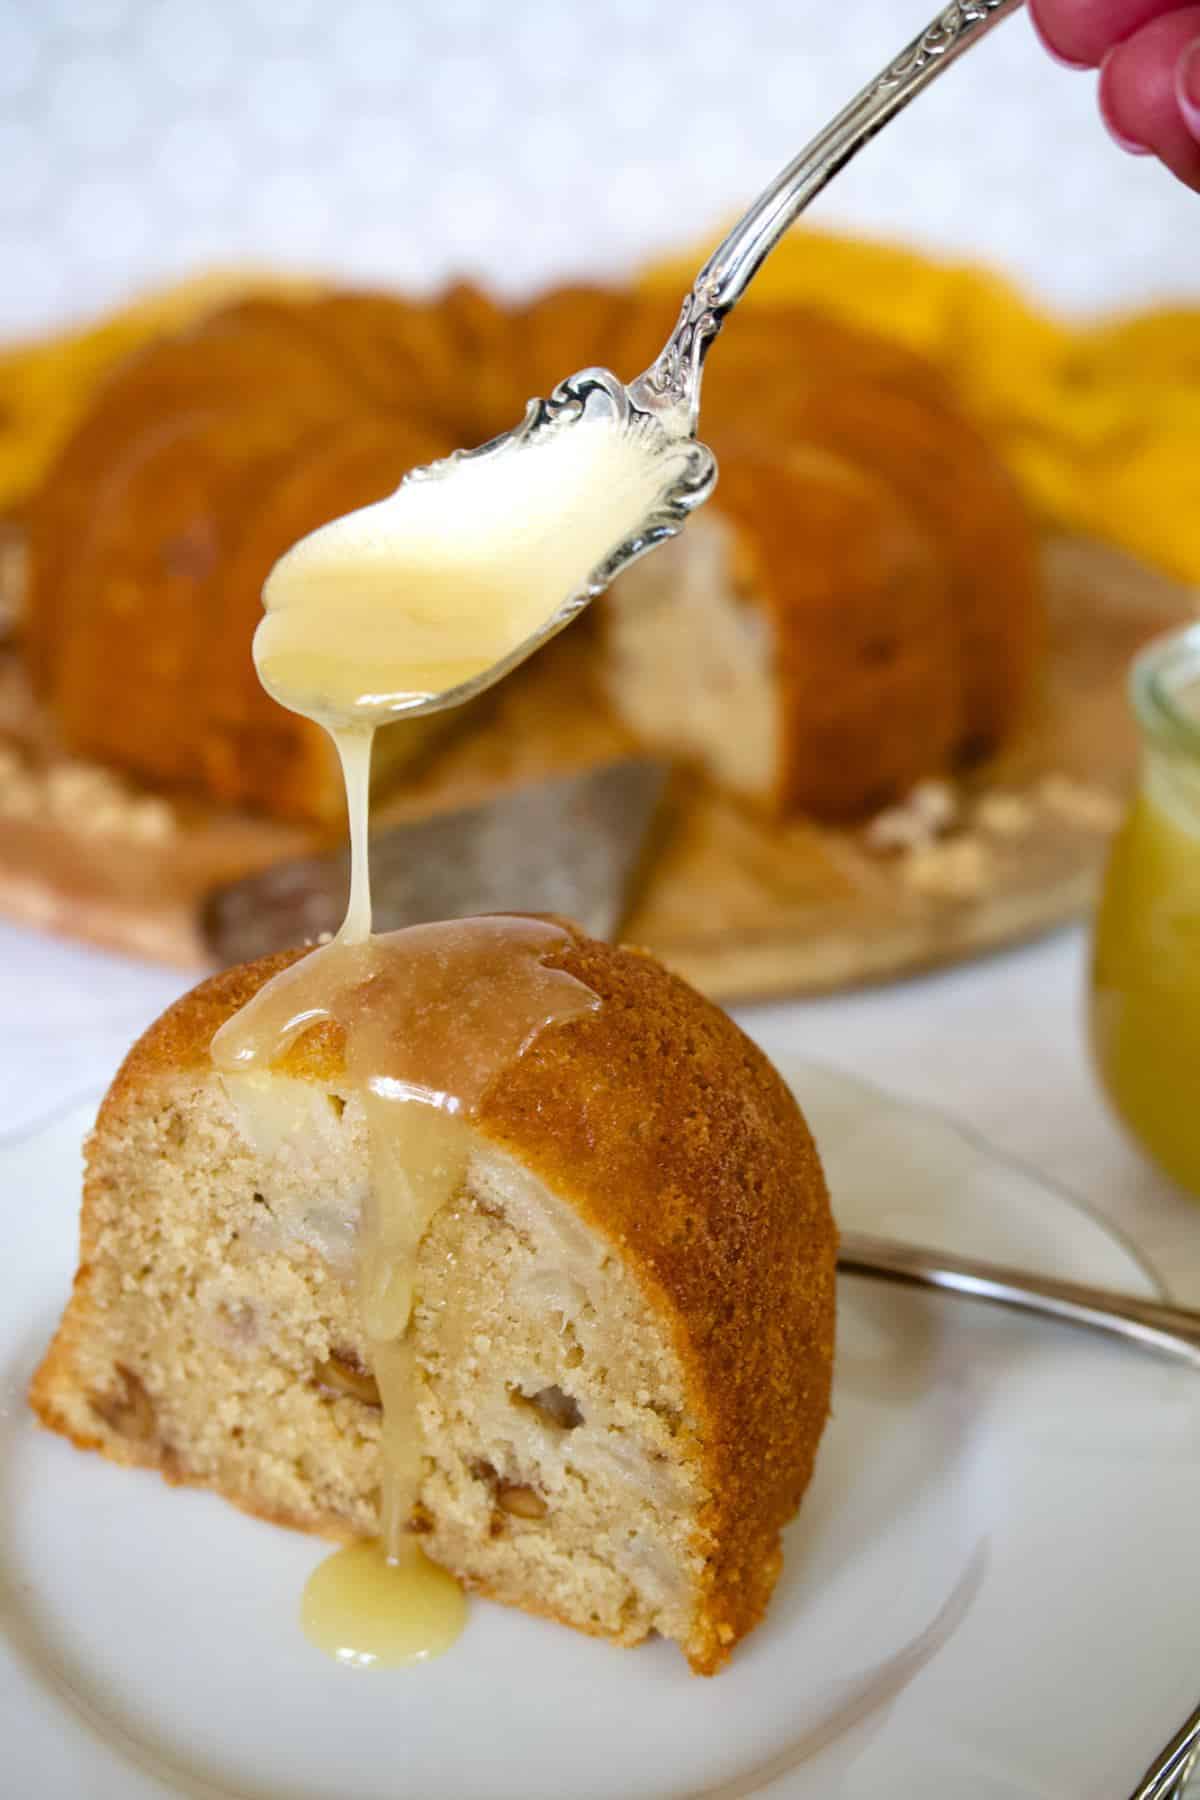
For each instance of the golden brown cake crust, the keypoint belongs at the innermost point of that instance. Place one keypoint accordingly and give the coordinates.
(153, 533)
(672, 1135)
(869, 695)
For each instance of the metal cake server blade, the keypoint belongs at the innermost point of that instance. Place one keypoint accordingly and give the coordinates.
(572, 845)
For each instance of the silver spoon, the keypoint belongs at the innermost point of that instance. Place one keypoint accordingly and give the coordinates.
(662, 405)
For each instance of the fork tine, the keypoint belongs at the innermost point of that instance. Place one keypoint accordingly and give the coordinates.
(1168, 1774)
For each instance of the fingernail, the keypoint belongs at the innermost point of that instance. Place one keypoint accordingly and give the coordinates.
(1187, 87)
(1064, 62)
(1128, 144)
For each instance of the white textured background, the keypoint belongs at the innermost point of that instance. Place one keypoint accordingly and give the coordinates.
(406, 140)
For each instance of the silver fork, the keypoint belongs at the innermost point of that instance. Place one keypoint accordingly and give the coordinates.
(1169, 1775)
(1153, 1325)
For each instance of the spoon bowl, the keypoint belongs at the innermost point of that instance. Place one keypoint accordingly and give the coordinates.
(588, 482)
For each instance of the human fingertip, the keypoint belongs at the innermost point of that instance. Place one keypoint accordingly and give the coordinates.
(1051, 49)
(1131, 146)
(1187, 87)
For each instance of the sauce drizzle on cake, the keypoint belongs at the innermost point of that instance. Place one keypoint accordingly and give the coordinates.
(365, 620)
(428, 1017)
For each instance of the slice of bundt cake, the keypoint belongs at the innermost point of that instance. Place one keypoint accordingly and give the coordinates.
(623, 1314)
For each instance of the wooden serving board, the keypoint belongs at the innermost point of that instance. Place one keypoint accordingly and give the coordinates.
(742, 907)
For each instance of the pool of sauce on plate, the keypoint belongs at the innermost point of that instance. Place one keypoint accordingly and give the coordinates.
(428, 1016)
(371, 1611)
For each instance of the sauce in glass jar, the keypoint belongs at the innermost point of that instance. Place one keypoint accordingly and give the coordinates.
(1145, 1001)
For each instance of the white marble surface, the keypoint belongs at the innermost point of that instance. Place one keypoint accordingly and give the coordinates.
(408, 140)
(997, 1045)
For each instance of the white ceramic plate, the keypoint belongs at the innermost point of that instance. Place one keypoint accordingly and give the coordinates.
(993, 1588)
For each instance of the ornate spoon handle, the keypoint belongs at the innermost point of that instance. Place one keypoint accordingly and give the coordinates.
(672, 384)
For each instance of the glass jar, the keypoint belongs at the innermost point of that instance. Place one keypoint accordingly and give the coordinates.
(1145, 996)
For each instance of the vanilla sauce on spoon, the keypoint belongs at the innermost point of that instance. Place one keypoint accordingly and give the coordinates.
(391, 611)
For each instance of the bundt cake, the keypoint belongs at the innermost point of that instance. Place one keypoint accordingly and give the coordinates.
(623, 1315)
(856, 608)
